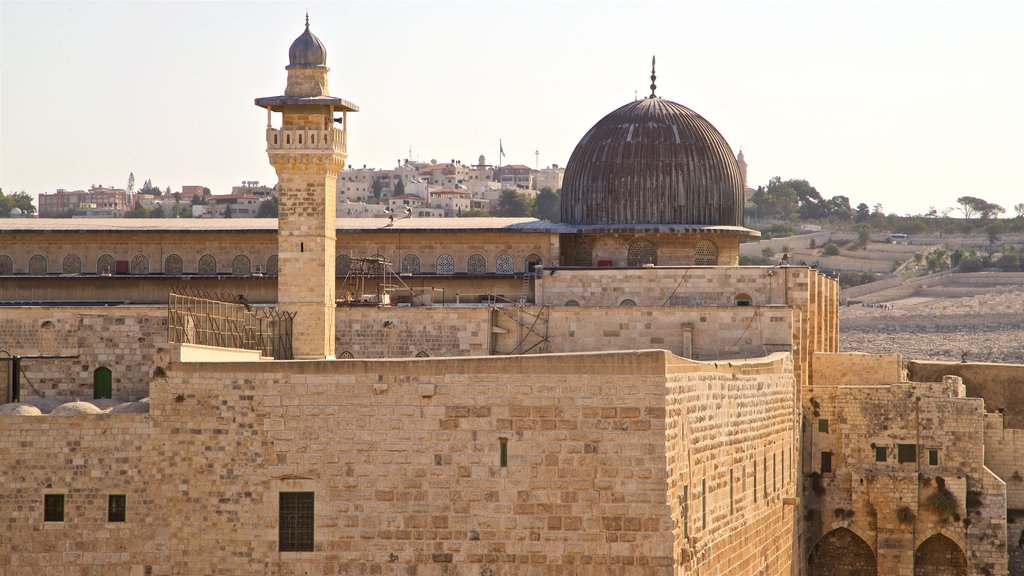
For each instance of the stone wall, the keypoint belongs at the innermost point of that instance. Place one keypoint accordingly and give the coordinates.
(1001, 385)
(404, 460)
(1003, 450)
(130, 289)
(857, 369)
(131, 342)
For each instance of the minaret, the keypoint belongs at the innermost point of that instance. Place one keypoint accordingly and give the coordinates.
(743, 168)
(307, 152)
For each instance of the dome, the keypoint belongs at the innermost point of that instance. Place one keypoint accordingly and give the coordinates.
(307, 51)
(653, 161)
(17, 409)
(15, 212)
(75, 408)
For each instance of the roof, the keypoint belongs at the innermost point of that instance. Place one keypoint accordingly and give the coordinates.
(345, 226)
(279, 101)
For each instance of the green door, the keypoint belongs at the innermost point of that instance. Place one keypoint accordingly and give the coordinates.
(101, 383)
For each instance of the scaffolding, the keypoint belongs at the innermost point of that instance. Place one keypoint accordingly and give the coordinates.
(197, 316)
(370, 281)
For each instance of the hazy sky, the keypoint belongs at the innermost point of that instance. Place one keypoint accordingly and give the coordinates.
(910, 104)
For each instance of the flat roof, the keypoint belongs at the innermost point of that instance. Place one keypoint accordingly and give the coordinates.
(346, 225)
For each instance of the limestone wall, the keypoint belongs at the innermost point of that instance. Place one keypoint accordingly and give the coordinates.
(857, 369)
(130, 341)
(1001, 385)
(1004, 448)
(131, 289)
(404, 459)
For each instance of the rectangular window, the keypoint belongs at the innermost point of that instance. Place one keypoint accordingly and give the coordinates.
(826, 462)
(881, 454)
(933, 457)
(823, 425)
(53, 508)
(503, 449)
(295, 522)
(906, 453)
(116, 508)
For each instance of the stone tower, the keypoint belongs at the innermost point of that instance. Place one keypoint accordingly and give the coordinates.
(742, 163)
(307, 151)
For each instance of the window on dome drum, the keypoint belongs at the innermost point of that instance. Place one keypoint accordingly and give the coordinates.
(102, 383)
(906, 453)
(826, 462)
(705, 253)
(476, 264)
(72, 264)
(271, 267)
(881, 454)
(411, 264)
(37, 265)
(295, 522)
(342, 263)
(173, 265)
(744, 299)
(241, 266)
(140, 264)
(641, 252)
(584, 255)
(105, 264)
(445, 264)
(505, 264)
(207, 264)
(116, 507)
(53, 508)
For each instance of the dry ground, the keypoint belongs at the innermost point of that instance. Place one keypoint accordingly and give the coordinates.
(985, 327)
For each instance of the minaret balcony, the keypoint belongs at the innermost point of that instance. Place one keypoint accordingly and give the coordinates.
(307, 140)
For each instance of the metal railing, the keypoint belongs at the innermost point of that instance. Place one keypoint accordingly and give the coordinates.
(197, 316)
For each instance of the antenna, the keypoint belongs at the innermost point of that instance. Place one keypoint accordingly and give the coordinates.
(536, 155)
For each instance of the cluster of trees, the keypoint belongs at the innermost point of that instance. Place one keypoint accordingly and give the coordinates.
(19, 200)
(547, 205)
(797, 199)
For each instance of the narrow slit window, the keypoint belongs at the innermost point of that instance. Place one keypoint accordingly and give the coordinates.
(116, 508)
(53, 508)
(933, 457)
(686, 511)
(826, 462)
(295, 522)
(503, 452)
(775, 485)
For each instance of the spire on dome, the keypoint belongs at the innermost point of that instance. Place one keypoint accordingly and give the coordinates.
(653, 77)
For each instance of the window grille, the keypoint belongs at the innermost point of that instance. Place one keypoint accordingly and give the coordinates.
(174, 265)
(445, 264)
(72, 264)
(641, 252)
(477, 264)
(207, 264)
(505, 264)
(140, 264)
(295, 518)
(705, 253)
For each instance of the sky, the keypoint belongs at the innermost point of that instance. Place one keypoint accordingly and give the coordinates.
(907, 104)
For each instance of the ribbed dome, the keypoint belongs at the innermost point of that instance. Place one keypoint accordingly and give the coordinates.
(307, 51)
(653, 161)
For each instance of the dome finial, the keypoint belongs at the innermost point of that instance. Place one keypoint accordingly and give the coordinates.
(653, 77)
(307, 19)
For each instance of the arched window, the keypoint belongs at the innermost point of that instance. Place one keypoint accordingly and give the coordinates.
(37, 265)
(173, 265)
(445, 264)
(505, 264)
(939, 555)
(532, 261)
(841, 552)
(346, 355)
(641, 252)
(705, 253)
(572, 303)
(476, 264)
(271, 265)
(6, 265)
(422, 354)
(207, 264)
(411, 264)
(72, 264)
(628, 302)
(105, 264)
(140, 264)
(584, 255)
(102, 383)
(342, 263)
(744, 299)
(241, 266)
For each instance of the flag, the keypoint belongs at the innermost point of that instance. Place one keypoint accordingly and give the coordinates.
(501, 150)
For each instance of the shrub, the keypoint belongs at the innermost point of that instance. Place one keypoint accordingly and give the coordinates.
(941, 502)
(971, 264)
(830, 249)
(905, 515)
(1008, 262)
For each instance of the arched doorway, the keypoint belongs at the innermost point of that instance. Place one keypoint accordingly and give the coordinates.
(939, 556)
(841, 553)
(102, 383)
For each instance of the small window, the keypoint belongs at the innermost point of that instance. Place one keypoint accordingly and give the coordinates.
(933, 457)
(823, 425)
(295, 518)
(744, 299)
(881, 454)
(628, 302)
(826, 462)
(503, 452)
(906, 453)
(116, 508)
(53, 508)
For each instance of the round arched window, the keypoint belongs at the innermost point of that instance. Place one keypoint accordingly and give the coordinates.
(705, 253)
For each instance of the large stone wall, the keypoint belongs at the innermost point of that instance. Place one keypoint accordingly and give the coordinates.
(131, 342)
(1001, 385)
(403, 458)
(857, 369)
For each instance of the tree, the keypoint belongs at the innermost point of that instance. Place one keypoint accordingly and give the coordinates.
(514, 204)
(838, 207)
(548, 205)
(206, 191)
(378, 189)
(269, 208)
(1019, 209)
(131, 181)
(863, 212)
(399, 187)
(994, 231)
(137, 212)
(168, 191)
(938, 260)
(970, 205)
(778, 200)
(19, 200)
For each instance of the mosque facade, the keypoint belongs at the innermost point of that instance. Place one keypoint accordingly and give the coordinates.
(612, 394)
